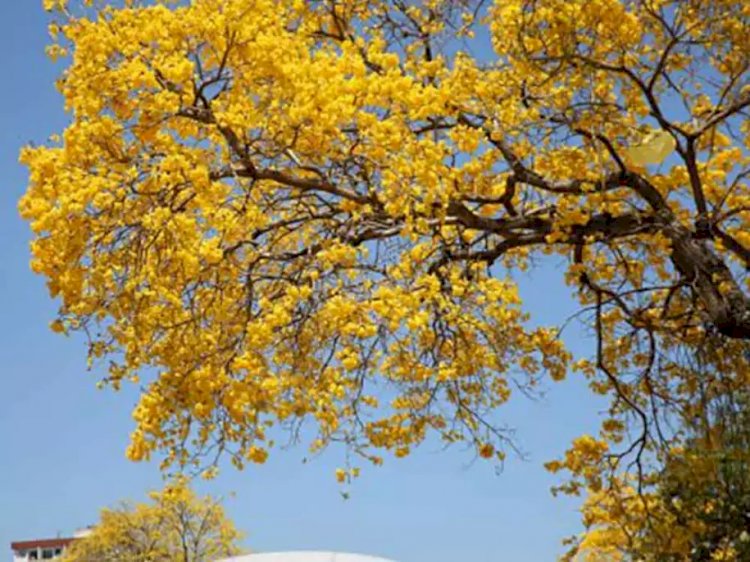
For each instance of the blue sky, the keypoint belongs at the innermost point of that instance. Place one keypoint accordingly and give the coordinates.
(63, 441)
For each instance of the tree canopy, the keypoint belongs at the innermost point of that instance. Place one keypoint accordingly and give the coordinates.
(292, 212)
(176, 526)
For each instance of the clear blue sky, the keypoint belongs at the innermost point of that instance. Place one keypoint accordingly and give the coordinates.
(62, 442)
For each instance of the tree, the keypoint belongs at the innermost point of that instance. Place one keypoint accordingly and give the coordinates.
(706, 488)
(177, 526)
(696, 507)
(298, 212)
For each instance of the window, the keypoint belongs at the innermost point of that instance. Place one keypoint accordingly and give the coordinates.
(33, 554)
(48, 554)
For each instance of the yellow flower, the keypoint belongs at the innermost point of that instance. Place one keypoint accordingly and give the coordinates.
(486, 451)
(341, 475)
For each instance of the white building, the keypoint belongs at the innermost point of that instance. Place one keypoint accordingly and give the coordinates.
(39, 549)
(305, 557)
(44, 549)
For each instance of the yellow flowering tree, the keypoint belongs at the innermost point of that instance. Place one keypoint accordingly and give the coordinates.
(176, 526)
(295, 212)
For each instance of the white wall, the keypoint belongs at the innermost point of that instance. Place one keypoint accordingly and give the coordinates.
(305, 557)
(26, 557)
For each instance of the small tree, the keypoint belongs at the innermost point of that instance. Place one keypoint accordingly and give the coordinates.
(176, 526)
(691, 503)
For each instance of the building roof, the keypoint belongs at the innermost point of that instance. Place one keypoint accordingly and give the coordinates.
(305, 557)
(41, 543)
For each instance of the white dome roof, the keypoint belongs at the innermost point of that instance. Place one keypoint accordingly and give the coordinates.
(305, 557)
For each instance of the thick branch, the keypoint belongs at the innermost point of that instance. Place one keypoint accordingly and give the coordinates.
(725, 303)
